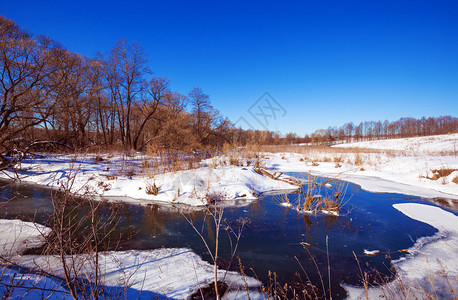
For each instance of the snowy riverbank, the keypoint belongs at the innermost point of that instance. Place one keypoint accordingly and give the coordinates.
(17, 236)
(430, 270)
(427, 171)
(168, 273)
(124, 178)
(161, 273)
(413, 171)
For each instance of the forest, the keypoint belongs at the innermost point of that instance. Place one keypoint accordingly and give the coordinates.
(113, 101)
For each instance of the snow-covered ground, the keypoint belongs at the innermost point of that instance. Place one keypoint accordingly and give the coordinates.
(405, 171)
(173, 273)
(124, 178)
(161, 273)
(377, 172)
(17, 236)
(432, 144)
(431, 268)
(401, 166)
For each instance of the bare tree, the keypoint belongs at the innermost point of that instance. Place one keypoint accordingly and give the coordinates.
(217, 224)
(201, 104)
(77, 240)
(126, 67)
(156, 93)
(32, 70)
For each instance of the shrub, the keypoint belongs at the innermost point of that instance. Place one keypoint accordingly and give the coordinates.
(441, 173)
(358, 159)
(338, 159)
(152, 189)
(214, 198)
(455, 180)
(235, 161)
(98, 158)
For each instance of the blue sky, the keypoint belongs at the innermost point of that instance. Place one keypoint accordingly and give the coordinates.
(324, 62)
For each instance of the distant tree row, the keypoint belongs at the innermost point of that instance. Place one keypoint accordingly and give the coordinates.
(404, 127)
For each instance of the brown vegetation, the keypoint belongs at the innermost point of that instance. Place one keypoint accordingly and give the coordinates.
(112, 101)
(441, 173)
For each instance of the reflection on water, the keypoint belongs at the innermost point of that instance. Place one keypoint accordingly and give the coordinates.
(449, 204)
(277, 238)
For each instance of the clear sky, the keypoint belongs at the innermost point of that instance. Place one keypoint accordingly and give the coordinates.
(324, 62)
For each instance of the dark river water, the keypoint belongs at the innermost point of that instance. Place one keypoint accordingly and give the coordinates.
(276, 238)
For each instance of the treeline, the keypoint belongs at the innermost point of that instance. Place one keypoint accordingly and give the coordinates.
(404, 127)
(112, 99)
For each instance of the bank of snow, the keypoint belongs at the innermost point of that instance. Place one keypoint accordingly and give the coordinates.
(174, 273)
(431, 144)
(399, 166)
(161, 273)
(17, 236)
(375, 172)
(431, 268)
(125, 179)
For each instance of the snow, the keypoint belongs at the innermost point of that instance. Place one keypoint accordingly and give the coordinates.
(435, 143)
(166, 273)
(30, 286)
(171, 273)
(399, 165)
(242, 295)
(379, 172)
(18, 236)
(371, 252)
(431, 266)
(124, 179)
(402, 166)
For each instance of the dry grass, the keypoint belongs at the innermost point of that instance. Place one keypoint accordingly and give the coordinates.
(338, 159)
(152, 189)
(358, 160)
(312, 201)
(442, 174)
(326, 159)
(387, 286)
(160, 161)
(318, 149)
(214, 198)
(400, 289)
